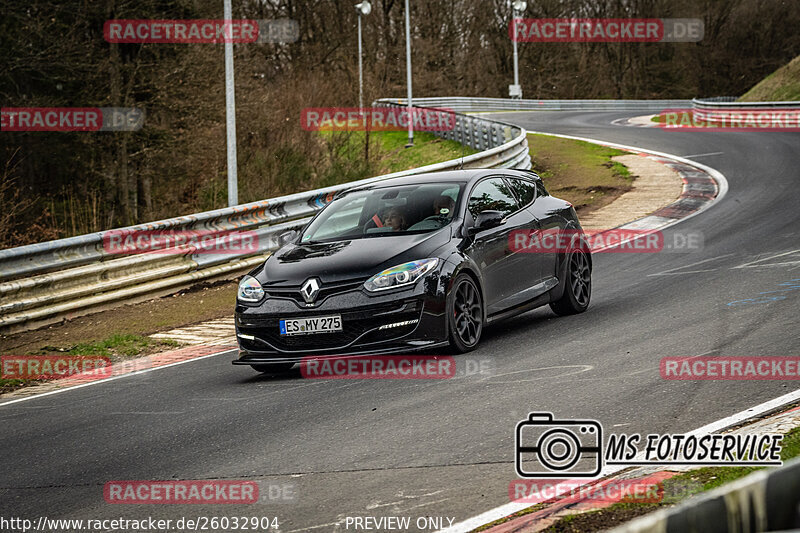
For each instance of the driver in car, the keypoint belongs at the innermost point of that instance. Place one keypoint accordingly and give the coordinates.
(395, 219)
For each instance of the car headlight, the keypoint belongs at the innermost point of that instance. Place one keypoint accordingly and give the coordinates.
(400, 275)
(250, 290)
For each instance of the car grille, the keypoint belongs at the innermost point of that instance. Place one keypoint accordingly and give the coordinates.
(293, 293)
(354, 325)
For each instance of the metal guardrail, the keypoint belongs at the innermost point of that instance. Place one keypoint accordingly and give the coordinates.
(722, 105)
(726, 109)
(44, 282)
(768, 500)
(466, 104)
(716, 99)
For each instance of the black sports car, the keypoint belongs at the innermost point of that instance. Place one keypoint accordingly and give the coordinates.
(412, 263)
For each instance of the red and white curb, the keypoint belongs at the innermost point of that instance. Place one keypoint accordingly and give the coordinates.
(703, 186)
(699, 190)
(119, 370)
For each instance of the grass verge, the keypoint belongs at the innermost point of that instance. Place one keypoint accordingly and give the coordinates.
(200, 303)
(116, 347)
(783, 85)
(427, 149)
(349, 161)
(579, 172)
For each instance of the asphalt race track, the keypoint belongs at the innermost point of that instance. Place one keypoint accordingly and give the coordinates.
(444, 448)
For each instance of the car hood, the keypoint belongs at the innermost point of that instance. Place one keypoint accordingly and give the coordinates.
(347, 260)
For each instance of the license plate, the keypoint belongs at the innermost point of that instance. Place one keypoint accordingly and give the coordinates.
(305, 326)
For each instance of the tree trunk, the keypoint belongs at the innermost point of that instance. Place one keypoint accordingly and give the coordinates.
(120, 140)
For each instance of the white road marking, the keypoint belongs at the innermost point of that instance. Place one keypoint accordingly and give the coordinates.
(758, 263)
(147, 413)
(404, 499)
(407, 509)
(784, 264)
(703, 155)
(626, 376)
(106, 380)
(671, 271)
(753, 264)
(574, 369)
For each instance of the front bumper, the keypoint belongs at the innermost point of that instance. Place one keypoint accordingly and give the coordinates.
(395, 321)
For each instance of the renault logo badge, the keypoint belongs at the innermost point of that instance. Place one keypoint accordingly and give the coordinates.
(310, 290)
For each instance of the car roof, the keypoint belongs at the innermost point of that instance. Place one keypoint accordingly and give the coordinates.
(457, 176)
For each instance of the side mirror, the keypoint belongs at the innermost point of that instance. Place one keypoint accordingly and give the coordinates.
(487, 219)
(286, 236)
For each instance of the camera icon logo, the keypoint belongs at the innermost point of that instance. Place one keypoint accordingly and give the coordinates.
(548, 448)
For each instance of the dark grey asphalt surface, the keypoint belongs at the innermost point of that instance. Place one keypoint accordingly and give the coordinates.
(445, 448)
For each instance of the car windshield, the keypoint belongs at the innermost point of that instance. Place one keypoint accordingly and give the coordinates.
(385, 211)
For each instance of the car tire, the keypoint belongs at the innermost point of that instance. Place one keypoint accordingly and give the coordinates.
(578, 285)
(464, 314)
(273, 368)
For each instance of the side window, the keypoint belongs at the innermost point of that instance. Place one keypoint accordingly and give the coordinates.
(541, 189)
(491, 194)
(525, 191)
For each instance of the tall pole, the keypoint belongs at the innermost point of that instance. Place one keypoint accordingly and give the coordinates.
(408, 78)
(516, 64)
(360, 71)
(230, 115)
(363, 8)
(517, 8)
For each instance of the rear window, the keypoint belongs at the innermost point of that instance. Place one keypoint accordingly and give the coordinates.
(524, 190)
(492, 194)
